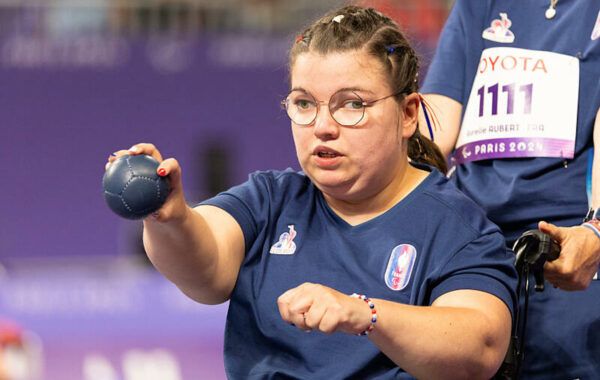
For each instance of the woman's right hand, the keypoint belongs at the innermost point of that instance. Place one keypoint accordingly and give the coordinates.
(175, 208)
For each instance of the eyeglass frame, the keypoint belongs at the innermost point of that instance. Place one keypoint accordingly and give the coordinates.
(364, 104)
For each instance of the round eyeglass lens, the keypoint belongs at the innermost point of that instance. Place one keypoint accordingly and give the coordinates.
(301, 107)
(346, 107)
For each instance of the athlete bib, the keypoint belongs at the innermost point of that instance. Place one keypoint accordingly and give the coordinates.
(523, 104)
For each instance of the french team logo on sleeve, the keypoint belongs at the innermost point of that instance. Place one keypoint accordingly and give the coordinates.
(400, 266)
(596, 31)
(285, 245)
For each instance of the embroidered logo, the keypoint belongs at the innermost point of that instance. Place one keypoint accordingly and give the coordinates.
(499, 30)
(596, 32)
(285, 245)
(400, 266)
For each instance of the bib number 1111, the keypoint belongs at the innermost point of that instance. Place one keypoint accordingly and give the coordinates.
(526, 90)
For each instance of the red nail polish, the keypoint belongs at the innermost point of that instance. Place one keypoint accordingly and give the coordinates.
(162, 171)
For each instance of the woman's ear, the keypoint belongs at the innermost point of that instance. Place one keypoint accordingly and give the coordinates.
(410, 113)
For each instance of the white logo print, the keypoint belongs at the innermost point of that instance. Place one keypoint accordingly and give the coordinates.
(499, 30)
(285, 245)
(596, 31)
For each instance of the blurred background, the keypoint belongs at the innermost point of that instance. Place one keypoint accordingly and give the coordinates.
(202, 80)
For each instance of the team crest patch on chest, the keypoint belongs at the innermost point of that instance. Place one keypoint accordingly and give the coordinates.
(285, 245)
(400, 266)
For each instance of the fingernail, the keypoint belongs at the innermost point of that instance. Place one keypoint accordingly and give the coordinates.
(133, 149)
(113, 155)
(107, 166)
(162, 171)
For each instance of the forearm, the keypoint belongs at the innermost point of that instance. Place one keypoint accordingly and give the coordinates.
(187, 253)
(463, 335)
(440, 342)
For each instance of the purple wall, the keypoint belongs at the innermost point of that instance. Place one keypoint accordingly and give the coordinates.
(79, 318)
(65, 105)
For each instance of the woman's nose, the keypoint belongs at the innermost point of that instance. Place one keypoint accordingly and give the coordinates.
(325, 126)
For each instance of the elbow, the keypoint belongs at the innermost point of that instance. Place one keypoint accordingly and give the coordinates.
(485, 369)
(488, 362)
(482, 364)
(205, 297)
(494, 343)
(482, 367)
(484, 361)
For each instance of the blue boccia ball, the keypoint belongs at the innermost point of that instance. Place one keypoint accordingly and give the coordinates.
(132, 188)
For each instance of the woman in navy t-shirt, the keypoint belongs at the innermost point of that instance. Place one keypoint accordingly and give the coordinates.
(434, 282)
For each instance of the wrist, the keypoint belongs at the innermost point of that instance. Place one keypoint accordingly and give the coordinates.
(592, 221)
(373, 313)
(593, 225)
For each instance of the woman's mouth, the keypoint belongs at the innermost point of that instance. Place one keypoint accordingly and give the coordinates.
(326, 157)
(327, 154)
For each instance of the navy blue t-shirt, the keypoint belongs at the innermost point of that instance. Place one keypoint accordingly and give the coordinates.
(432, 242)
(563, 330)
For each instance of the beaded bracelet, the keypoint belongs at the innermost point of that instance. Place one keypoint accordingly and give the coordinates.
(593, 225)
(373, 313)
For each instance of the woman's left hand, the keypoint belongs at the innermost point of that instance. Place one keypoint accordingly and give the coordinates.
(318, 307)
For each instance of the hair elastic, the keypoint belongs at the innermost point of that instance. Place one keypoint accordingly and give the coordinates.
(426, 106)
(337, 18)
(300, 38)
(373, 312)
(390, 49)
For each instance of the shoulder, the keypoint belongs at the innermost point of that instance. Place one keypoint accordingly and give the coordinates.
(279, 183)
(272, 187)
(264, 196)
(287, 177)
(469, 11)
(264, 187)
(442, 202)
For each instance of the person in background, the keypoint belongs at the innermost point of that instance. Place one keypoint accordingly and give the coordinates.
(21, 353)
(515, 86)
(364, 265)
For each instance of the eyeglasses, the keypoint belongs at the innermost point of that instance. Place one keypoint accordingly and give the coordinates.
(345, 107)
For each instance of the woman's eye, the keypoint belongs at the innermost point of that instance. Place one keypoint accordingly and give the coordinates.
(353, 104)
(357, 105)
(303, 104)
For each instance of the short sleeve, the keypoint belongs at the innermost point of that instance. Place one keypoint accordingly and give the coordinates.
(484, 264)
(247, 203)
(256, 202)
